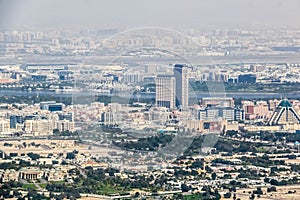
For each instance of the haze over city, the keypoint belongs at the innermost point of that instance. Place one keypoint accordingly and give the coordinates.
(134, 13)
(128, 99)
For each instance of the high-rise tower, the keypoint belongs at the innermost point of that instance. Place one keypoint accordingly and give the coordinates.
(165, 91)
(172, 90)
(182, 89)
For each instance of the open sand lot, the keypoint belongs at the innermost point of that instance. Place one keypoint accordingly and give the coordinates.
(280, 194)
(45, 147)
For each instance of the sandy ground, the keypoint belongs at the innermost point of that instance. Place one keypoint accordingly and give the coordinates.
(57, 146)
(281, 194)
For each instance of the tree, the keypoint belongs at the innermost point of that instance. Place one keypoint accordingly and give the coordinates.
(185, 188)
(232, 189)
(271, 189)
(217, 194)
(136, 195)
(258, 191)
(54, 162)
(227, 195)
(274, 182)
(194, 173)
(13, 154)
(70, 155)
(198, 164)
(266, 180)
(213, 176)
(33, 156)
(16, 193)
(292, 156)
(227, 176)
(206, 188)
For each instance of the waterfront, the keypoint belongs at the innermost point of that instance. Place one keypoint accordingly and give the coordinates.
(199, 95)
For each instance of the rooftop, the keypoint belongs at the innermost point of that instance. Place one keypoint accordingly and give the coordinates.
(285, 103)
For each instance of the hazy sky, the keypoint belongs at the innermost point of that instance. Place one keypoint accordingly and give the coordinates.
(137, 13)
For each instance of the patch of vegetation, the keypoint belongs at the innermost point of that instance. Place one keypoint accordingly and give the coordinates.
(29, 186)
(224, 145)
(147, 144)
(249, 87)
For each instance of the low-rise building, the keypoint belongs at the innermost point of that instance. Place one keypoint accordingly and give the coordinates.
(9, 175)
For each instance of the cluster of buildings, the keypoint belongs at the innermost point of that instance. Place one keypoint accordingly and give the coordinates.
(274, 115)
(172, 91)
(209, 115)
(35, 120)
(216, 42)
(168, 84)
(63, 77)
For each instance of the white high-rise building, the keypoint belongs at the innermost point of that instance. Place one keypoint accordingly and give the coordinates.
(165, 91)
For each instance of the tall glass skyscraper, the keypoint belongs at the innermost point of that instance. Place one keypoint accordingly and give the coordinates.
(182, 83)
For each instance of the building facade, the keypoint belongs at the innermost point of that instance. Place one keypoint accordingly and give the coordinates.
(182, 83)
(165, 91)
(284, 114)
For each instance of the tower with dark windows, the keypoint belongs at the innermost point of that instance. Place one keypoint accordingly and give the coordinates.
(182, 89)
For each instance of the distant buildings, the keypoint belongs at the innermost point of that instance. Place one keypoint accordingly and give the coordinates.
(222, 101)
(214, 112)
(172, 90)
(45, 67)
(15, 120)
(51, 106)
(247, 78)
(256, 110)
(32, 173)
(39, 127)
(131, 78)
(36, 120)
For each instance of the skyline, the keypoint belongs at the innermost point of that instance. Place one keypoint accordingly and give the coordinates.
(149, 100)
